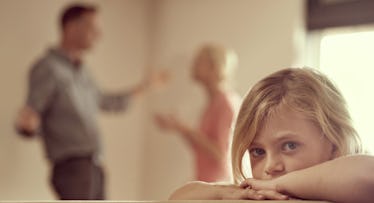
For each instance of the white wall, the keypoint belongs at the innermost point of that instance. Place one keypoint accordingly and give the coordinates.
(118, 61)
(141, 162)
(267, 35)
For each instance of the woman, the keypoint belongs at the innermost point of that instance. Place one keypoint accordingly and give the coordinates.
(210, 142)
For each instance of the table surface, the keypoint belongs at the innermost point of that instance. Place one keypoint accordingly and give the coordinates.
(164, 201)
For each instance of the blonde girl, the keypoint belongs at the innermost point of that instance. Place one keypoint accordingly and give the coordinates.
(295, 126)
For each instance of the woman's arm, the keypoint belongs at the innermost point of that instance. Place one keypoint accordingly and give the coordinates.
(217, 142)
(345, 179)
(196, 139)
(192, 136)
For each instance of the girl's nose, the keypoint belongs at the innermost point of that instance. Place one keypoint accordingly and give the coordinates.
(274, 166)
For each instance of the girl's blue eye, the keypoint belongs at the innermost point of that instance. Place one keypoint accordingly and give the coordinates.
(256, 152)
(289, 146)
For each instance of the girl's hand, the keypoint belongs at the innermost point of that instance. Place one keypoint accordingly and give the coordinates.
(267, 188)
(198, 190)
(238, 193)
(272, 195)
(258, 184)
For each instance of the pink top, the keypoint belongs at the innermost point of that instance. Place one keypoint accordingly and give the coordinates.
(216, 126)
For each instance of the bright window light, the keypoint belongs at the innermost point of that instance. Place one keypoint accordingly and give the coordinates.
(348, 59)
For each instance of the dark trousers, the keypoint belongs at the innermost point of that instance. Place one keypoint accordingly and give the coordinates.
(79, 178)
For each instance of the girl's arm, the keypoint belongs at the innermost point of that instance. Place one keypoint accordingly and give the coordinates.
(345, 179)
(198, 190)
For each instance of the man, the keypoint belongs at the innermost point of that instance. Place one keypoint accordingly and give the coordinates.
(62, 106)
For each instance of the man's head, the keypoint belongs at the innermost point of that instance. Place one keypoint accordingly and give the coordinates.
(79, 27)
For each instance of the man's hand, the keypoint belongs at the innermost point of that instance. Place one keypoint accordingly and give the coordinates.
(27, 122)
(159, 78)
(151, 81)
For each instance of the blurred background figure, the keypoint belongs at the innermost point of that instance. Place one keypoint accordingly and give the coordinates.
(139, 34)
(212, 68)
(62, 105)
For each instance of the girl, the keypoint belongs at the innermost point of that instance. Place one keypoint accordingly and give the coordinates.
(210, 142)
(296, 128)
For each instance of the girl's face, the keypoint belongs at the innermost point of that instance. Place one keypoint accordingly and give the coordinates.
(287, 142)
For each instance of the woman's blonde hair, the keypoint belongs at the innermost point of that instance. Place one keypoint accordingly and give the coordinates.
(304, 90)
(224, 59)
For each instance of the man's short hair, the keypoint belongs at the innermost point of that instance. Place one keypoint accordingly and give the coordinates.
(75, 11)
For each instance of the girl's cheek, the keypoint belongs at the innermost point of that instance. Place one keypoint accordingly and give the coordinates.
(256, 170)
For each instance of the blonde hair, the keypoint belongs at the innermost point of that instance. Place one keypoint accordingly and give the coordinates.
(304, 90)
(224, 59)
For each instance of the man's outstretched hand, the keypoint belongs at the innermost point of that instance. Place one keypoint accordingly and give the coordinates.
(27, 122)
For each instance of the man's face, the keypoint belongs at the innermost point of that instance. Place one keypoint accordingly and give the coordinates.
(84, 31)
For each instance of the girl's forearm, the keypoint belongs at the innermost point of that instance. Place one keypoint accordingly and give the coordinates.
(195, 191)
(346, 179)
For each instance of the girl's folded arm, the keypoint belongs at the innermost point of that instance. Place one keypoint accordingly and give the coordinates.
(345, 179)
(194, 190)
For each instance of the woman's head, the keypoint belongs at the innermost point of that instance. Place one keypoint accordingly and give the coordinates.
(214, 64)
(290, 120)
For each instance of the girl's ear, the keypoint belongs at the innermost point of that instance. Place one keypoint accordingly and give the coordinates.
(334, 152)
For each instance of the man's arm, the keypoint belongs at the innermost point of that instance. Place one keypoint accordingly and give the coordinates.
(114, 102)
(27, 122)
(41, 88)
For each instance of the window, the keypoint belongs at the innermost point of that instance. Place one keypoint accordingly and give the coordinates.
(347, 57)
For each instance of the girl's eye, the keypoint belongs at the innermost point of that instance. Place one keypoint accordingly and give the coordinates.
(256, 152)
(289, 146)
